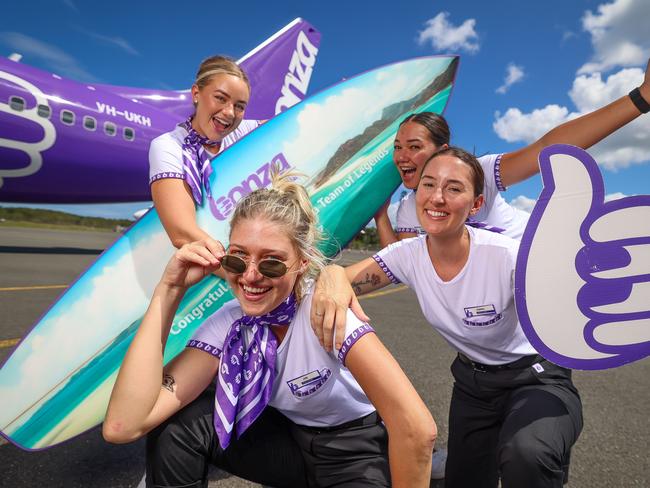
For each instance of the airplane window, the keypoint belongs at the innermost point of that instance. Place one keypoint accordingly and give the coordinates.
(17, 103)
(129, 134)
(109, 129)
(89, 122)
(67, 117)
(43, 111)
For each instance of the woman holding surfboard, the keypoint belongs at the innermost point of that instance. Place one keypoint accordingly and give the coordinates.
(179, 161)
(513, 415)
(421, 134)
(280, 399)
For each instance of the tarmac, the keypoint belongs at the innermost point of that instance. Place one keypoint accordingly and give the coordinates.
(36, 266)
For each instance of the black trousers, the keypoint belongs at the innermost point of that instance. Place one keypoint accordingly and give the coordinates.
(348, 456)
(180, 450)
(273, 451)
(516, 424)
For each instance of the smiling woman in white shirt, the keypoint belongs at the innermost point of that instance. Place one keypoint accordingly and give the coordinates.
(513, 414)
(179, 160)
(284, 412)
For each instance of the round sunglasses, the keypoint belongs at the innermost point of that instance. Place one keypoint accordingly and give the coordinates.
(271, 268)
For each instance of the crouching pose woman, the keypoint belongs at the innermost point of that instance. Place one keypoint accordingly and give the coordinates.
(513, 415)
(285, 412)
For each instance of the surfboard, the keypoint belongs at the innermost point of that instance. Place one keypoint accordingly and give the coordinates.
(57, 382)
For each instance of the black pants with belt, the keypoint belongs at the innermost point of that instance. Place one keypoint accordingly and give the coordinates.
(273, 451)
(180, 450)
(517, 423)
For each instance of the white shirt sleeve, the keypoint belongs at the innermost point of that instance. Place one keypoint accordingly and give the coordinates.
(399, 259)
(211, 335)
(407, 216)
(165, 158)
(495, 211)
(354, 330)
(490, 164)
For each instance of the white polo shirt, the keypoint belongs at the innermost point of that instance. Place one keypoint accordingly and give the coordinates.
(475, 311)
(166, 150)
(312, 387)
(495, 212)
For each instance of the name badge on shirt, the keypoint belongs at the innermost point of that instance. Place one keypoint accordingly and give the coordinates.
(309, 383)
(480, 310)
(483, 316)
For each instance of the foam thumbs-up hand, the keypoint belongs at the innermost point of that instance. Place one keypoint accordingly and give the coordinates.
(582, 282)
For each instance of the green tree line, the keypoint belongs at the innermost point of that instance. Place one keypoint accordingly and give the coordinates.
(20, 214)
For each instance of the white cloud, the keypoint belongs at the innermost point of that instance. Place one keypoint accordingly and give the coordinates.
(515, 126)
(567, 35)
(315, 119)
(523, 203)
(445, 36)
(629, 145)
(590, 92)
(614, 196)
(526, 204)
(112, 41)
(619, 35)
(56, 59)
(348, 113)
(514, 74)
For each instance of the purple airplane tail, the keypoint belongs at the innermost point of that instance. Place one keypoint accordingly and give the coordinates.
(279, 70)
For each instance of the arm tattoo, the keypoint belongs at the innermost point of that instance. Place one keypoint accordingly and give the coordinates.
(168, 382)
(367, 284)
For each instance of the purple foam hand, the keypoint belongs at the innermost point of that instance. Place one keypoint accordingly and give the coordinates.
(582, 283)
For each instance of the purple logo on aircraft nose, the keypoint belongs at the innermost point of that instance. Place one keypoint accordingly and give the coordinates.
(582, 284)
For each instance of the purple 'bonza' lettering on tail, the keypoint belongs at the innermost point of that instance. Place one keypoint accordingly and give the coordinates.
(223, 206)
(300, 69)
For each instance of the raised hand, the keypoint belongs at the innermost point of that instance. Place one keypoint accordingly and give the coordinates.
(193, 262)
(582, 283)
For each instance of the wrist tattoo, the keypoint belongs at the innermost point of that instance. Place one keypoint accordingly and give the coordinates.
(360, 286)
(169, 382)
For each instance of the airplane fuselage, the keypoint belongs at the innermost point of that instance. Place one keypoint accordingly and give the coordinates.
(62, 141)
(54, 131)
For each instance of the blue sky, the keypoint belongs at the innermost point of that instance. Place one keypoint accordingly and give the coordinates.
(525, 66)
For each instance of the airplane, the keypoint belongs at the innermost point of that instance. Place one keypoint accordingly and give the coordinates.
(63, 141)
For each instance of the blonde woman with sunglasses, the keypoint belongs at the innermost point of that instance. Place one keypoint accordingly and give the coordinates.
(284, 411)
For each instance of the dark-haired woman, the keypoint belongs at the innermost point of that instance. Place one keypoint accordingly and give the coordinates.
(420, 135)
(513, 415)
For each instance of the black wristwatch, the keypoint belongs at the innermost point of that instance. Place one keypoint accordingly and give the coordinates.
(639, 102)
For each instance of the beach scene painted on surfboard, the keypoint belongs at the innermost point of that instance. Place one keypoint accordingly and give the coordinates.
(57, 382)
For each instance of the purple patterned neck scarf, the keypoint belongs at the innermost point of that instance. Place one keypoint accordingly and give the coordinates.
(245, 379)
(196, 161)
